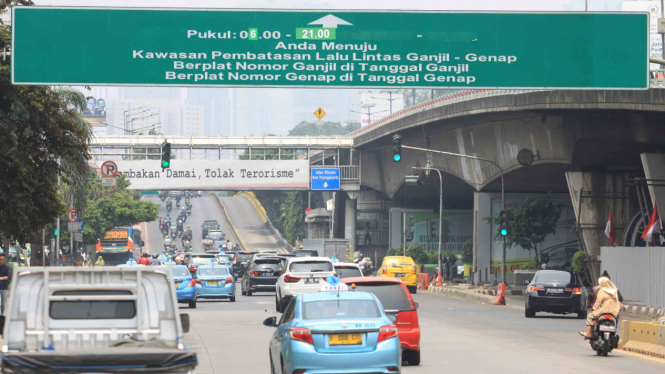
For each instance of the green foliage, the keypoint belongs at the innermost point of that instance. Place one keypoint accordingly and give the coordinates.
(305, 128)
(286, 211)
(394, 252)
(40, 140)
(107, 208)
(417, 253)
(433, 257)
(531, 265)
(448, 254)
(529, 223)
(579, 261)
(467, 253)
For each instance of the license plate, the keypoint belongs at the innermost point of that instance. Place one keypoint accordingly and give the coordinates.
(609, 328)
(400, 275)
(176, 286)
(213, 283)
(345, 339)
(311, 280)
(555, 290)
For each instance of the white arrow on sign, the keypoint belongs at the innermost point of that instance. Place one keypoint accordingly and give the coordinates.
(330, 21)
(325, 185)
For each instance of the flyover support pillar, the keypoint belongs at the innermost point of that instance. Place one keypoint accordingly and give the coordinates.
(350, 219)
(594, 195)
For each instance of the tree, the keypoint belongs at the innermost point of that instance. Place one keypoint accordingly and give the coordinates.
(530, 223)
(305, 128)
(41, 140)
(467, 253)
(417, 253)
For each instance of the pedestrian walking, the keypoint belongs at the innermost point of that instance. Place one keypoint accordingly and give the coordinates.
(5, 278)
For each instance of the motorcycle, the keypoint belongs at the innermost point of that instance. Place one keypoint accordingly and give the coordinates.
(165, 231)
(173, 235)
(168, 207)
(163, 198)
(179, 233)
(177, 204)
(605, 337)
(183, 217)
(189, 211)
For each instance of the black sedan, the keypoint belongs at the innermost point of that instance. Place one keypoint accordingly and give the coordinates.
(555, 291)
(261, 275)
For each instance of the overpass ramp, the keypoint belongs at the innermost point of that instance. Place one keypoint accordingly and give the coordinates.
(251, 227)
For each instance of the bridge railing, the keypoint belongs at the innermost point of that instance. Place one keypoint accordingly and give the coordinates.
(657, 80)
(346, 172)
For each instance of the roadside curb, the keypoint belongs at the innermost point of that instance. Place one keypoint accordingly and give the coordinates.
(464, 294)
(235, 232)
(256, 204)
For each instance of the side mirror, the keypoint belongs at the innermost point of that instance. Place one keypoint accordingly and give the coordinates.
(270, 322)
(392, 317)
(526, 282)
(184, 321)
(417, 305)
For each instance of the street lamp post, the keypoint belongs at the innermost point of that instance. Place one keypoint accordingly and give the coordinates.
(125, 114)
(440, 211)
(390, 100)
(503, 195)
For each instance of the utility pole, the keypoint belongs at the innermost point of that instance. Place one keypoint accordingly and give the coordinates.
(440, 213)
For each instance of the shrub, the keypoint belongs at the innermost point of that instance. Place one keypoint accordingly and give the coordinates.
(579, 261)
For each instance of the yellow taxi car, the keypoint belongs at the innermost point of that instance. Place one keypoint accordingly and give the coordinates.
(403, 268)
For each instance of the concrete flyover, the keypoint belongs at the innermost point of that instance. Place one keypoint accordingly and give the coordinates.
(587, 145)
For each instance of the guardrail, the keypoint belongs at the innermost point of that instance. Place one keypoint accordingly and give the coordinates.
(346, 172)
(657, 80)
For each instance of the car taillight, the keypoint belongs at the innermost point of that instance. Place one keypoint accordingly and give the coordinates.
(387, 332)
(414, 270)
(535, 288)
(385, 270)
(253, 272)
(230, 263)
(290, 279)
(197, 281)
(228, 280)
(576, 291)
(192, 269)
(191, 283)
(335, 275)
(301, 334)
(393, 368)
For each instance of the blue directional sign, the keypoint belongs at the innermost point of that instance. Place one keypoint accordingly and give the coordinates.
(80, 223)
(325, 179)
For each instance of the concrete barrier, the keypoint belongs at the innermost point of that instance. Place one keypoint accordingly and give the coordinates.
(423, 281)
(463, 294)
(644, 338)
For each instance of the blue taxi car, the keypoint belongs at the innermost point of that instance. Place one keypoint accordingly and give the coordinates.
(185, 285)
(215, 282)
(340, 332)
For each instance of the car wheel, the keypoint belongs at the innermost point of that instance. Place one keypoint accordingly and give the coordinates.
(277, 309)
(582, 315)
(192, 304)
(413, 289)
(233, 299)
(413, 358)
(242, 291)
(282, 365)
(272, 366)
(249, 292)
(529, 313)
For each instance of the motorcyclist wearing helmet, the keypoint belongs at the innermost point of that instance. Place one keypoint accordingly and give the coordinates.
(168, 218)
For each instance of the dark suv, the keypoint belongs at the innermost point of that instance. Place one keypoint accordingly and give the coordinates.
(555, 291)
(261, 275)
(240, 261)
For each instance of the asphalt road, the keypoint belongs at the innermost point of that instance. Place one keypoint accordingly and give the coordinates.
(203, 208)
(255, 235)
(458, 336)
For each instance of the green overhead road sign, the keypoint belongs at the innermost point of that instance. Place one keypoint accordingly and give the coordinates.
(274, 48)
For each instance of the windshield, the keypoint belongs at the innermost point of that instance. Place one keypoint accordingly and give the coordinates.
(310, 266)
(392, 296)
(340, 309)
(179, 271)
(347, 271)
(267, 266)
(213, 271)
(93, 309)
(225, 258)
(244, 257)
(552, 277)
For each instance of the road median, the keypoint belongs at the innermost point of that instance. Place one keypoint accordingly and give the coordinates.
(235, 232)
(643, 337)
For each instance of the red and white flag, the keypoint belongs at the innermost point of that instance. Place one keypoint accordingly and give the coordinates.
(609, 229)
(653, 227)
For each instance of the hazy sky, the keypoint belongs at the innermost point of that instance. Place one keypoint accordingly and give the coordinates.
(533, 5)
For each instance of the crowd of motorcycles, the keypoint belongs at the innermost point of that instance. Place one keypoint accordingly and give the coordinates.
(174, 228)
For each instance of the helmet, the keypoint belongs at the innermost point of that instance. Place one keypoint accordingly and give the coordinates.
(301, 247)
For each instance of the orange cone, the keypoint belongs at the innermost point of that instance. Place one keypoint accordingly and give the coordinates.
(439, 281)
(500, 295)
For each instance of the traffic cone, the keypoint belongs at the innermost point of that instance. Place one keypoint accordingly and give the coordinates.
(500, 295)
(439, 281)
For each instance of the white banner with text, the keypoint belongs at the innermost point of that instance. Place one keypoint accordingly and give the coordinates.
(216, 175)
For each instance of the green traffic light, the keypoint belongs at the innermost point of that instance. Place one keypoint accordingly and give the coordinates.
(397, 157)
(504, 232)
(56, 232)
(165, 164)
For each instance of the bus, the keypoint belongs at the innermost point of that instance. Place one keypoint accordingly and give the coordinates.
(117, 246)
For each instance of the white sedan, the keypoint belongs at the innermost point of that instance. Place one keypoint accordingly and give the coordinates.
(302, 275)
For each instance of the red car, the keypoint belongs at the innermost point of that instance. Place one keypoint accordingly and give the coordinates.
(396, 299)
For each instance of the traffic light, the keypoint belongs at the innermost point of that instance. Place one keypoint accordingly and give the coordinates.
(503, 224)
(166, 155)
(432, 229)
(397, 148)
(55, 233)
